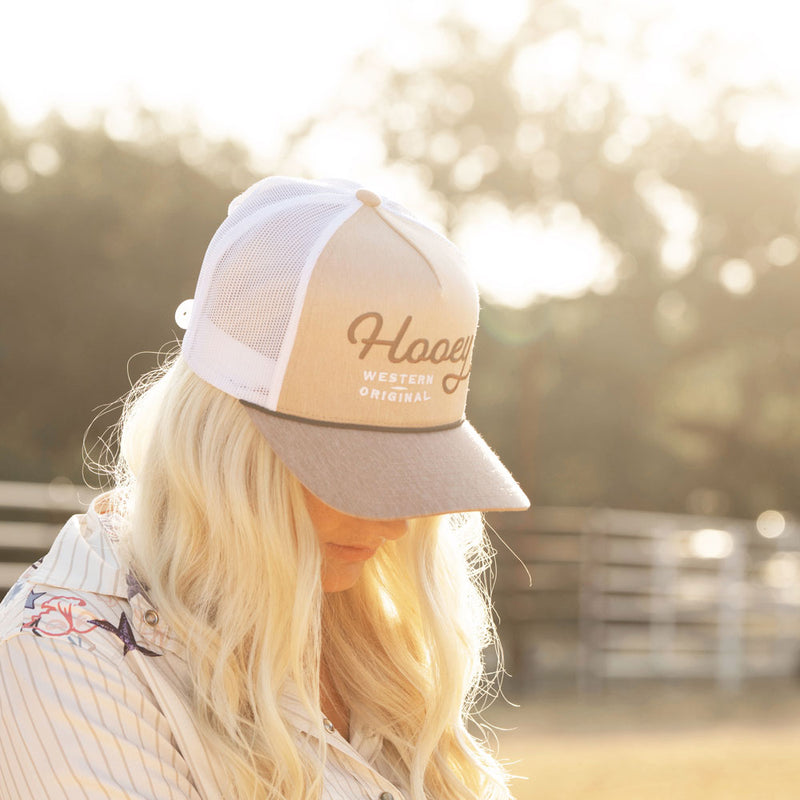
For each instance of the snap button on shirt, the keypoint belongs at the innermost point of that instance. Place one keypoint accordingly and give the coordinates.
(386, 796)
(328, 725)
(151, 617)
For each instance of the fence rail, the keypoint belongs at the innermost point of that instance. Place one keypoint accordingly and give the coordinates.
(615, 595)
(31, 514)
(625, 595)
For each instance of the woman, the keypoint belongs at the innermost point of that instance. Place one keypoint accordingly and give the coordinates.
(281, 596)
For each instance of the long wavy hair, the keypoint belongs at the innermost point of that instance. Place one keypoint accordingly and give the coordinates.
(219, 533)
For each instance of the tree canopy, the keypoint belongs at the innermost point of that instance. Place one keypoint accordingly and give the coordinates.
(673, 388)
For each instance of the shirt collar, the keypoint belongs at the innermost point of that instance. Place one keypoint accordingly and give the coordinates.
(83, 557)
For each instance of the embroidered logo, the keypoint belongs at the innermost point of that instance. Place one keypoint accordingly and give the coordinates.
(417, 351)
(58, 615)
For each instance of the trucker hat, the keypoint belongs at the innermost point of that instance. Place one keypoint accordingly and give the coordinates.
(346, 327)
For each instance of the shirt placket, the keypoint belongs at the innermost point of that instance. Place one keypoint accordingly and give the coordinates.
(350, 760)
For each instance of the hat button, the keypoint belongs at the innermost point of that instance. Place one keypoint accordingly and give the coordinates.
(368, 198)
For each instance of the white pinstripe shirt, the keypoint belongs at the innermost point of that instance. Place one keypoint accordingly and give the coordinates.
(92, 703)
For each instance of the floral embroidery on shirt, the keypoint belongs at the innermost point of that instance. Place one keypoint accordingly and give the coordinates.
(58, 615)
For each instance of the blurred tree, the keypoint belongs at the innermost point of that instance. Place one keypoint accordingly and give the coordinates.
(674, 389)
(677, 390)
(99, 242)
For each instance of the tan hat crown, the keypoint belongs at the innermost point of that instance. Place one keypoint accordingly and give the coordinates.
(321, 300)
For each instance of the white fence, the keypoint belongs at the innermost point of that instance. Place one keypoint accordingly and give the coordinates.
(615, 595)
(31, 515)
(622, 595)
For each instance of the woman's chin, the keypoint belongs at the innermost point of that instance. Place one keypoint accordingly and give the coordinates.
(339, 577)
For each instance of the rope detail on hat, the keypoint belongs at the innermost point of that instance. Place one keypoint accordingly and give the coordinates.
(355, 426)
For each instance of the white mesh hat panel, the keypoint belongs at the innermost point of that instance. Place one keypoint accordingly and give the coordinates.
(252, 282)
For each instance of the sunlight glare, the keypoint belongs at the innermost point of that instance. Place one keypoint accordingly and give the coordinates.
(344, 146)
(519, 257)
(543, 72)
(711, 543)
(498, 21)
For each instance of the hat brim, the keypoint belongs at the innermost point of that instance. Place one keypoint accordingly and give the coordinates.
(379, 474)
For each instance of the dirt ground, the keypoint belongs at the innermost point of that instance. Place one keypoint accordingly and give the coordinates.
(654, 743)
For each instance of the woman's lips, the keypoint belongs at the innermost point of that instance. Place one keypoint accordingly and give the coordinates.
(344, 552)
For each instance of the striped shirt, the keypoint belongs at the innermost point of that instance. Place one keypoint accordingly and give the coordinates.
(93, 699)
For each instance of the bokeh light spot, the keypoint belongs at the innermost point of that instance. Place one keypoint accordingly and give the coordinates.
(771, 524)
(737, 276)
(711, 543)
(14, 177)
(43, 158)
(783, 250)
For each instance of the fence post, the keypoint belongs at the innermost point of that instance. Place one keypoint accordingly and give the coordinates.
(729, 614)
(590, 645)
(663, 600)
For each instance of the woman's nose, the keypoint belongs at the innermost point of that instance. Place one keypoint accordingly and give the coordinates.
(384, 528)
(393, 528)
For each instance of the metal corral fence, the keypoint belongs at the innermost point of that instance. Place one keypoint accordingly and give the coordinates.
(31, 514)
(614, 594)
(624, 595)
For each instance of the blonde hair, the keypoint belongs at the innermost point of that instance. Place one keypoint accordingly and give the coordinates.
(219, 533)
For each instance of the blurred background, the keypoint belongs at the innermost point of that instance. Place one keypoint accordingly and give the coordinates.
(624, 178)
